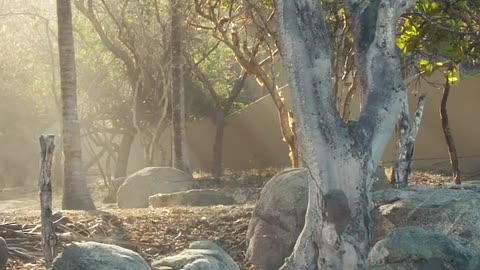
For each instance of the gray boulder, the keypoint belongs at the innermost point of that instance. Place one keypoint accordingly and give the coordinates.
(413, 248)
(136, 189)
(206, 197)
(201, 255)
(452, 212)
(3, 254)
(97, 256)
(277, 219)
(278, 216)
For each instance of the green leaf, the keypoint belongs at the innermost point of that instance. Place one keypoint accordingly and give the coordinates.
(452, 76)
(424, 62)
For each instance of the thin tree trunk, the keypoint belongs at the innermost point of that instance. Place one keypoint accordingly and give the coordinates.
(108, 170)
(95, 159)
(222, 109)
(123, 155)
(287, 127)
(286, 118)
(49, 238)
(179, 146)
(406, 137)
(147, 154)
(452, 151)
(218, 144)
(75, 191)
(159, 129)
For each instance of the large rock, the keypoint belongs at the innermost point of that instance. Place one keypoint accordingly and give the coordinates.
(206, 197)
(136, 189)
(201, 255)
(453, 212)
(413, 248)
(96, 256)
(277, 219)
(3, 254)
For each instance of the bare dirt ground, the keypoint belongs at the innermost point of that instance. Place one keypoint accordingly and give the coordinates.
(151, 232)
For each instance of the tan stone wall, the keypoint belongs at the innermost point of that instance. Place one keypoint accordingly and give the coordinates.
(253, 139)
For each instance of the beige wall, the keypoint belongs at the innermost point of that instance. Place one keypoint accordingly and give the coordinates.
(253, 139)
(464, 115)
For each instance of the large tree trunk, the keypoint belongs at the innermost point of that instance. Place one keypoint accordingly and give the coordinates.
(337, 223)
(75, 191)
(452, 151)
(218, 144)
(179, 146)
(123, 154)
(406, 137)
(340, 157)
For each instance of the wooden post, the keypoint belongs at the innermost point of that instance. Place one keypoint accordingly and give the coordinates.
(49, 238)
(3, 254)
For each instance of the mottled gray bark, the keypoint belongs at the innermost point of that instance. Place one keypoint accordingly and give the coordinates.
(75, 191)
(49, 238)
(406, 137)
(341, 158)
(179, 145)
(123, 155)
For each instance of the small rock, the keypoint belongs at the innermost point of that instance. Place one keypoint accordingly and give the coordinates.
(205, 197)
(3, 254)
(278, 219)
(201, 255)
(413, 248)
(96, 256)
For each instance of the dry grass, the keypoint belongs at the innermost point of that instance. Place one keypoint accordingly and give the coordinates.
(159, 232)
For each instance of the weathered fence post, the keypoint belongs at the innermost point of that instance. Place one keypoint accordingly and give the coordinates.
(3, 254)
(49, 238)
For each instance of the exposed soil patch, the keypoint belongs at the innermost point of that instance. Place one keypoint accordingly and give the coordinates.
(155, 232)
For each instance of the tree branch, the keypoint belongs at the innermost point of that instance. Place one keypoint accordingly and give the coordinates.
(374, 25)
(107, 42)
(306, 50)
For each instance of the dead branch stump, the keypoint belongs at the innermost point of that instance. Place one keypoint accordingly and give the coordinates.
(3, 254)
(49, 238)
